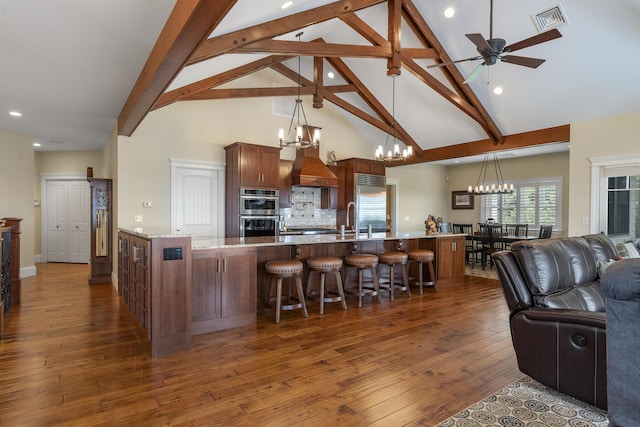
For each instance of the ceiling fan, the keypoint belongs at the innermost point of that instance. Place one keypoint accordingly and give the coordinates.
(495, 48)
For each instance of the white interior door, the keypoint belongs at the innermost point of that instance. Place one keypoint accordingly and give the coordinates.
(67, 221)
(197, 198)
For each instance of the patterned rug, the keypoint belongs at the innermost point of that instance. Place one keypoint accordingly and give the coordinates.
(476, 270)
(527, 403)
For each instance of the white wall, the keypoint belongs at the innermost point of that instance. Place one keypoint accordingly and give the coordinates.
(609, 136)
(423, 190)
(17, 191)
(199, 130)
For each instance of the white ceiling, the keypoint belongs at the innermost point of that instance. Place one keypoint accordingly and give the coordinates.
(69, 65)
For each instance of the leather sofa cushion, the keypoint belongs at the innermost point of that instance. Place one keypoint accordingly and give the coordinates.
(592, 296)
(603, 248)
(583, 261)
(545, 265)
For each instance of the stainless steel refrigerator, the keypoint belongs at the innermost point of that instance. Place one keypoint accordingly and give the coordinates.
(371, 203)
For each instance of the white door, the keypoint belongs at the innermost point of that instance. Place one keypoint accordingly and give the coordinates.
(68, 221)
(79, 236)
(197, 199)
(57, 201)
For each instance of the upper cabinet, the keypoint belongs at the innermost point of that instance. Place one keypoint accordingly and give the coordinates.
(253, 166)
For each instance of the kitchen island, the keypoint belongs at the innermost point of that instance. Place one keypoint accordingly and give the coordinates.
(173, 287)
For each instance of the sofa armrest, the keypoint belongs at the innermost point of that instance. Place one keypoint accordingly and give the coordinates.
(514, 286)
(577, 317)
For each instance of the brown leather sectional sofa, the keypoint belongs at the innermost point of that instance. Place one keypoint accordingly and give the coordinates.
(558, 326)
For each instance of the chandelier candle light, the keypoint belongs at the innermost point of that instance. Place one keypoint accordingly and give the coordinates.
(301, 140)
(395, 154)
(482, 188)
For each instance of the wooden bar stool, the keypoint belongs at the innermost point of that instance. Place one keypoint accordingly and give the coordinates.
(323, 265)
(392, 260)
(421, 256)
(363, 262)
(285, 269)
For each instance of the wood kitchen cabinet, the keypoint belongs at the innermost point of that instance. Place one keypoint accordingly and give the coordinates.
(223, 289)
(333, 197)
(254, 166)
(286, 166)
(350, 168)
(449, 253)
(154, 286)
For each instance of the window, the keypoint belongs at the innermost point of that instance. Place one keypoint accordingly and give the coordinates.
(532, 202)
(623, 206)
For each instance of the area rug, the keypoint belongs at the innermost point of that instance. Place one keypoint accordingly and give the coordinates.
(528, 403)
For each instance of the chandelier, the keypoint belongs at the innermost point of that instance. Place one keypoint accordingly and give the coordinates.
(301, 139)
(394, 155)
(481, 187)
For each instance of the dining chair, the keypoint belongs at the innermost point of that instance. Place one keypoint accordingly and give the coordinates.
(545, 231)
(491, 241)
(515, 230)
(471, 247)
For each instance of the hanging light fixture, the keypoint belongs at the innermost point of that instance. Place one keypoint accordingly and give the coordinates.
(481, 187)
(302, 137)
(394, 155)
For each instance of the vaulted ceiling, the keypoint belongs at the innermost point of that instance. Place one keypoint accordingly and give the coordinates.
(209, 49)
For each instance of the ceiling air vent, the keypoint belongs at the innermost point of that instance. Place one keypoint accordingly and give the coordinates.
(550, 18)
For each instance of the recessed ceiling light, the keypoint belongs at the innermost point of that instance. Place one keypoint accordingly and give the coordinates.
(449, 12)
(497, 90)
(286, 4)
(330, 75)
(15, 113)
(456, 161)
(36, 144)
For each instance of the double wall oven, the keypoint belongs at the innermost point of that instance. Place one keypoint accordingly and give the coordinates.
(259, 212)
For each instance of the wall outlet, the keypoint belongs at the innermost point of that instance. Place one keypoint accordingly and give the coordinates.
(137, 218)
(585, 220)
(147, 204)
(406, 218)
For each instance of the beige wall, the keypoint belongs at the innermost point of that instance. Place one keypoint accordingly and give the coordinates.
(608, 136)
(460, 177)
(17, 191)
(63, 163)
(422, 191)
(198, 130)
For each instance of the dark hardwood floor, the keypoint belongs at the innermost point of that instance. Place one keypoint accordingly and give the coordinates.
(69, 358)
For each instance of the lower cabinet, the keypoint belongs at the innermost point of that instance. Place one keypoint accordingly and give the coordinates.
(449, 254)
(154, 285)
(223, 289)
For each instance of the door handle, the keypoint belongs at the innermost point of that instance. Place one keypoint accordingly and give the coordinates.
(218, 265)
(224, 265)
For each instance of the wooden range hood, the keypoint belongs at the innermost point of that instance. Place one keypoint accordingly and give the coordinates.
(308, 170)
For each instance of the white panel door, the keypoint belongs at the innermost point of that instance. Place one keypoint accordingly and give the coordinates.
(57, 201)
(197, 201)
(68, 209)
(78, 219)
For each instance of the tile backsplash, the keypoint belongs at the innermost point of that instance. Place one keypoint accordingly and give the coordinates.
(305, 210)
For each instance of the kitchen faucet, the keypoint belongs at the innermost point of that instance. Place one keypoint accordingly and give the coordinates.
(351, 203)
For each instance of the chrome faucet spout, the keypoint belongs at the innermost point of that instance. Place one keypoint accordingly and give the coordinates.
(349, 205)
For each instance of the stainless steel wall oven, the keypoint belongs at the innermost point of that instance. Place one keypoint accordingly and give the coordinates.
(259, 212)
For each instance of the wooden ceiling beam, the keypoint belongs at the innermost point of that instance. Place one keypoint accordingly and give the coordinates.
(551, 135)
(283, 47)
(217, 80)
(189, 23)
(394, 18)
(222, 44)
(423, 31)
(318, 81)
(258, 92)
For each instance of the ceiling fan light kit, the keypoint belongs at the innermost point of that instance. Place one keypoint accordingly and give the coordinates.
(493, 49)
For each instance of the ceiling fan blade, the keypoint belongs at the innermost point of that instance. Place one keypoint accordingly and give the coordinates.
(540, 38)
(474, 74)
(442, 64)
(479, 40)
(522, 60)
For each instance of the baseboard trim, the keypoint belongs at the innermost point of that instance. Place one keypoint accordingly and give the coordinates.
(28, 271)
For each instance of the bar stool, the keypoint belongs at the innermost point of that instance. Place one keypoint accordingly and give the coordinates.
(285, 269)
(421, 256)
(323, 265)
(363, 262)
(393, 259)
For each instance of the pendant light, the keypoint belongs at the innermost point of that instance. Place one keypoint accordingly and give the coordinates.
(481, 187)
(300, 138)
(394, 155)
